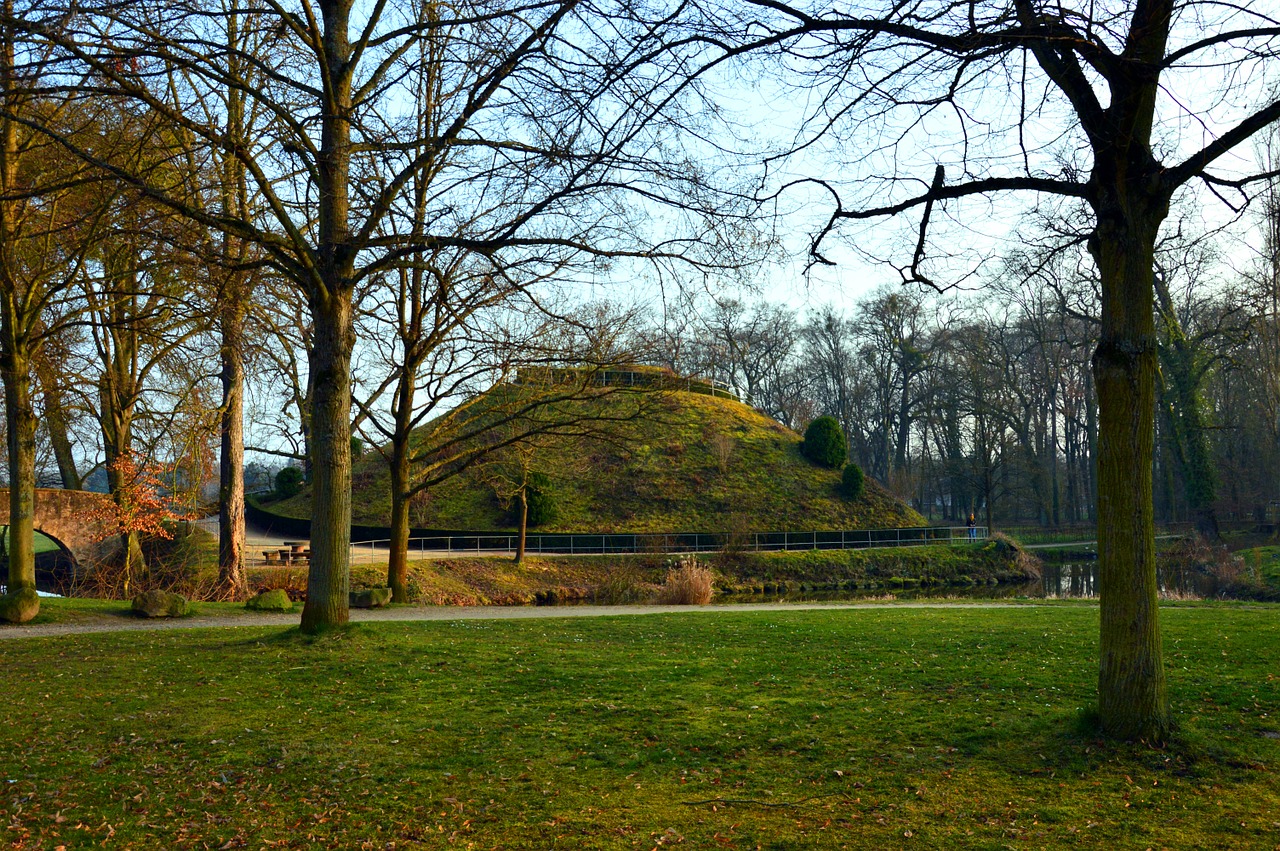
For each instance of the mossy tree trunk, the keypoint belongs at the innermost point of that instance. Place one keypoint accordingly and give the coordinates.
(1131, 678)
(15, 355)
(20, 422)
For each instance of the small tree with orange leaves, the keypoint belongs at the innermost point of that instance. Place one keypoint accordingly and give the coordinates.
(137, 508)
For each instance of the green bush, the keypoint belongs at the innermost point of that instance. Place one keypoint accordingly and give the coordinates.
(357, 447)
(852, 481)
(824, 443)
(541, 503)
(289, 482)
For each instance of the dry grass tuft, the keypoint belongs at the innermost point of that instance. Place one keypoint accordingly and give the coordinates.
(1193, 554)
(688, 583)
(291, 579)
(1028, 564)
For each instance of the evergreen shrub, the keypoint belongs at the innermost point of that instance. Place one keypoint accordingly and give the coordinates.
(824, 443)
(852, 481)
(289, 482)
(541, 503)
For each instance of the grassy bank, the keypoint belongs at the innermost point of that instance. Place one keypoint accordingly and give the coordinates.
(634, 578)
(890, 727)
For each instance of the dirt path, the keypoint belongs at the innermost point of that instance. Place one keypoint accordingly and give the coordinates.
(127, 623)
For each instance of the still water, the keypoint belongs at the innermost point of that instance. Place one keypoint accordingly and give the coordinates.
(1058, 580)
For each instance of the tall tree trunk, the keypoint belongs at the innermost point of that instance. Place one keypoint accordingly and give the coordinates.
(1053, 456)
(524, 525)
(402, 453)
(20, 603)
(1184, 375)
(231, 528)
(329, 441)
(20, 421)
(232, 312)
(328, 579)
(117, 396)
(1091, 446)
(1131, 678)
(398, 561)
(55, 420)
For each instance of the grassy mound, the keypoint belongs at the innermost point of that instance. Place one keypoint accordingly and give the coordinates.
(690, 462)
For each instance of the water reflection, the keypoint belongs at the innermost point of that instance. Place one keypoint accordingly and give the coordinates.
(1080, 579)
(1058, 580)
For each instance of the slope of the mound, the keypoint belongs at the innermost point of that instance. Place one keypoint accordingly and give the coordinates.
(695, 463)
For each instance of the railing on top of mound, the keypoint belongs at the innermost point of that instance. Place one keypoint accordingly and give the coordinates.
(661, 544)
(652, 378)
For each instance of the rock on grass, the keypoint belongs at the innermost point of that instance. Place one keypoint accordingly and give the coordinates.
(159, 604)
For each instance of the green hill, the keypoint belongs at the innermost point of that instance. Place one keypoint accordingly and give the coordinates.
(693, 463)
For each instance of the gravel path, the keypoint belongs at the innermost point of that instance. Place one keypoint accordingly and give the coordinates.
(127, 623)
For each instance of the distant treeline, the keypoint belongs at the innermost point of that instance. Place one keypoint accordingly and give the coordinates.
(986, 403)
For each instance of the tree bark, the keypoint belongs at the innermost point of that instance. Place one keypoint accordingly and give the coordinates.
(231, 528)
(20, 421)
(231, 319)
(117, 395)
(1131, 679)
(524, 525)
(15, 358)
(328, 579)
(55, 420)
(398, 561)
(330, 297)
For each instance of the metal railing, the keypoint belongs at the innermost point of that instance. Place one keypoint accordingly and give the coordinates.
(663, 544)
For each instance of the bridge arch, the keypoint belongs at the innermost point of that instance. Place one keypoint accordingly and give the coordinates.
(73, 520)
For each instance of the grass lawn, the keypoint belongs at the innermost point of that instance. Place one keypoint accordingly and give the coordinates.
(43, 543)
(890, 727)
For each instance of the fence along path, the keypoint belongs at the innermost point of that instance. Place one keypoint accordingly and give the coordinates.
(669, 544)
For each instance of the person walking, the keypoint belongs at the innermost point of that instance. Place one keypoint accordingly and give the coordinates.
(973, 527)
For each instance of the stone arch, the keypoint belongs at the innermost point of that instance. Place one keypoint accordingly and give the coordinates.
(74, 520)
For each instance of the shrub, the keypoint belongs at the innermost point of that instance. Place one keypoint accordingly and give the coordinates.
(289, 482)
(540, 501)
(852, 481)
(687, 584)
(824, 443)
(357, 447)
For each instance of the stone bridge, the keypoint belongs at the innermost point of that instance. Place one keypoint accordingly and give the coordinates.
(71, 519)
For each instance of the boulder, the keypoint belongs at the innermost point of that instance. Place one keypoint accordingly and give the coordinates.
(20, 606)
(369, 598)
(274, 600)
(159, 604)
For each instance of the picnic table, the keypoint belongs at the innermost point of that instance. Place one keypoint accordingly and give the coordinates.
(293, 552)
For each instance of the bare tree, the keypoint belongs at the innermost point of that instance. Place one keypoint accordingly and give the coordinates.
(550, 124)
(51, 215)
(1121, 150)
